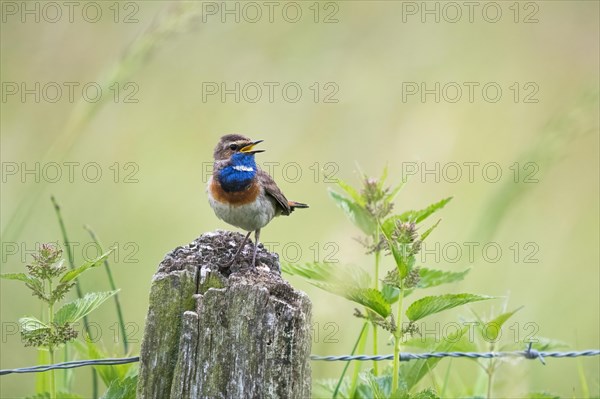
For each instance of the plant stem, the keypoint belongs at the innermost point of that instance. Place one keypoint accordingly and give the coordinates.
(50, 348)
(490, 373)
(375, 343)
(490, 377)
(357, 365)
(111, 282)
(86, 324)
(397, 338)
(377, 258)
(362, 331)
(375, 369)
(52, 376)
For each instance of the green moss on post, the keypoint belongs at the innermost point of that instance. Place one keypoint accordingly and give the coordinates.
(245, 333)
(170, 295)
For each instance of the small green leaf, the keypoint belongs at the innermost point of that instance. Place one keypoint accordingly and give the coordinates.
(72, 274)
(108, 374)
(351, 191)
(426, 394)
(33, 329)
(391, 196)
(383, 177)
(356, 213)
(435, 304)
(390, 293)
(377, 390)
(418, 216)
(538, 343)
(429, 230)
(399, 253)
(32, 324)
(542, 395)
(547, 344)
(432, 277)
(16, 276)
(59, 395)
(369, 298)
(493, 328)
(77, 309)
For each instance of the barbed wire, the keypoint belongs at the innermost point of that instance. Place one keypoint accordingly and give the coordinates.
(528, 353)
(71, 365)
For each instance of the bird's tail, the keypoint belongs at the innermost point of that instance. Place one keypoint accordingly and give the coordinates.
(293, 205)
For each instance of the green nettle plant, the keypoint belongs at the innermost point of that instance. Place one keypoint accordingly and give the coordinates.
(50, 281)
(383, 297)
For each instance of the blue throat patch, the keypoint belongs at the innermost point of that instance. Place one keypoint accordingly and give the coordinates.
(238, 175)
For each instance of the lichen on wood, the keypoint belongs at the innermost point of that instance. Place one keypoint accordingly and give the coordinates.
(215, 332)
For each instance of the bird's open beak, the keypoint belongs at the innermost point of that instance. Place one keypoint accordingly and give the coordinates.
(249, 149)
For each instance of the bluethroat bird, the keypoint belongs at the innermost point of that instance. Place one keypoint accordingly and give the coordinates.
(242, 194)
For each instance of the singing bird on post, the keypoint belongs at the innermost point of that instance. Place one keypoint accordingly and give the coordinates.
(242, 194)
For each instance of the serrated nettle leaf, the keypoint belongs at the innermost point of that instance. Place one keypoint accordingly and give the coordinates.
(77, 309)
(356, 213)
(420, 215)
(432, 277)
(429, 230)
(434, 304)
(30, 324)
(493, 328)
(122, 389)
(351, 191)
(310, 271)
(369, 298)
(330, 273)
(72, 274)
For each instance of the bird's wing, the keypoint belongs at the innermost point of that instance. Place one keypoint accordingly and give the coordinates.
(273, 191)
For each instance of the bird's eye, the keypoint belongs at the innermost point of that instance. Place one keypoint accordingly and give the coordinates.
(233, 147)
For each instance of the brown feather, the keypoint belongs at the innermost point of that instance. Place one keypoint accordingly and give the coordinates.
(273, 191)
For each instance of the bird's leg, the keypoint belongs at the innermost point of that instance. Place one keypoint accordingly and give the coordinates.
(239, 250)
(256, 236)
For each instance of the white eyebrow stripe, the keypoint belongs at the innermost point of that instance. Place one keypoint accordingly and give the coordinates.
(241, 168)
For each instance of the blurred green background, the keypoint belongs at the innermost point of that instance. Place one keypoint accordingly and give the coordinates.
(353, 114)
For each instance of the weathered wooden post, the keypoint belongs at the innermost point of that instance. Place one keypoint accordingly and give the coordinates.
(210, 333)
